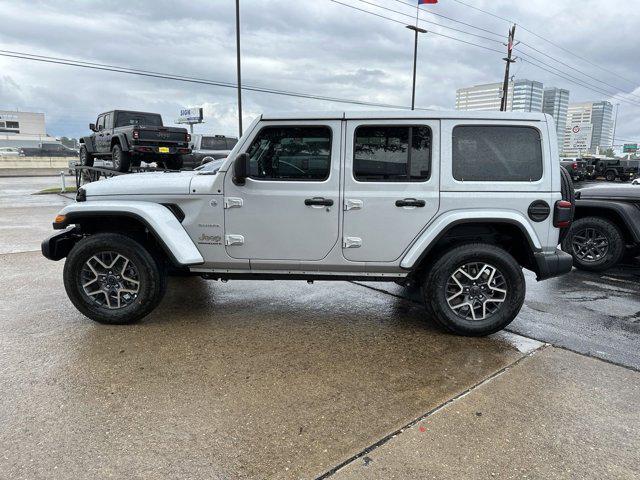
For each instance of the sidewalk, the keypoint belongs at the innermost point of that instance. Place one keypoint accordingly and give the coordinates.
(555, 414)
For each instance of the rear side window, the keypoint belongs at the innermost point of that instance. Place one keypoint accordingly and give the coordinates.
(291, 153)
(213, 143)
(496, 153)
(382, 154)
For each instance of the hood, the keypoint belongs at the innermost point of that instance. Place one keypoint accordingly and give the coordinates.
(617, 192)
(145, 183)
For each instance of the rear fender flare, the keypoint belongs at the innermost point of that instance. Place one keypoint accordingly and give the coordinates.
(439, 227)
(158, 219)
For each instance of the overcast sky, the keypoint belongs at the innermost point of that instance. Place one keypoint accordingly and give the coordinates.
(313, 46)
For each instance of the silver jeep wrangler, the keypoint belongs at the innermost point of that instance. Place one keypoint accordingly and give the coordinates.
(457, 202)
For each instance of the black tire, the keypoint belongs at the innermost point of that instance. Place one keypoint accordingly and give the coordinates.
(609, 230)
(135, 162)
(610, 176)
(150, 273)
(160, 164)
(568, 194)
(121, 159)
(86, 159)
(435, 289)
(174, 163)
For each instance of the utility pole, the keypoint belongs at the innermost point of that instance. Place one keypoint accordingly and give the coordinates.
(615, 124)
(509, 61)
(417, 30)
(238, 66)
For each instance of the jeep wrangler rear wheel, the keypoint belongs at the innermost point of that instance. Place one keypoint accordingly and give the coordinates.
(595, 243)
(112, 279)
(121, 159)
(474, 289)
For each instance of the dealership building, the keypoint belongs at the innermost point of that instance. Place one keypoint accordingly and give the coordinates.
(22, 129)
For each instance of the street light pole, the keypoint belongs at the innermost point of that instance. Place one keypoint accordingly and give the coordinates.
(238, 66)
(417, 30)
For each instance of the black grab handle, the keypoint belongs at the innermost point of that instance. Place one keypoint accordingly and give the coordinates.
(326, 202)
(410, 202)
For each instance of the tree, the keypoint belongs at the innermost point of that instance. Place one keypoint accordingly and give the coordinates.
(608, 152)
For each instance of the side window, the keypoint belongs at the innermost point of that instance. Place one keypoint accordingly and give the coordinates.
(100, 122)
(382, 154)
(108, 120)
(496, 153)
(291, 153)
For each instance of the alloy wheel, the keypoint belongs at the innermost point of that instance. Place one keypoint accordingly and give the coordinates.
(589, 244)
(476, 291)
(110, 280)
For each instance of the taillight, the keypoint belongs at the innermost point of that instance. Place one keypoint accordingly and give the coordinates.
(188, 138)
(574, 165)
(563, 214)
(136, 134)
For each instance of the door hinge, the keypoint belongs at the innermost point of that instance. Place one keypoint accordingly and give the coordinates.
(233, 240)
(231, 202)
(351, 242)
(353, 204)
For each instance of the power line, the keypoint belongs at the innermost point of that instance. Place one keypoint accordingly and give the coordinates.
(579, 71)
(429, 22)
(611, 72)
(404, 24)
(575, 81)
(591, 86)
(181, 78)
(430, 12)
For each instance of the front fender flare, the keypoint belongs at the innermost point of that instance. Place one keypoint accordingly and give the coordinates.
(444, 222)
(158, 219)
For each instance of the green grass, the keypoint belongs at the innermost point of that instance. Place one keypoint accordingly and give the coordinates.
(56, 190)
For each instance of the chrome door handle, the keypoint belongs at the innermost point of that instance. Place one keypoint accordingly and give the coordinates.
(319, 201)
(410, 202)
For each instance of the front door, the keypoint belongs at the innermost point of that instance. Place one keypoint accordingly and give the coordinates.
(288, 209)
(391, 186)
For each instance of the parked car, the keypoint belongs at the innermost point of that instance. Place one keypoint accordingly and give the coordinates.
(9, 151)
(48, 149)
(611, 169)
(126, 138)
(575, 167)
(203, 147)
(457, 202)
(606, 226)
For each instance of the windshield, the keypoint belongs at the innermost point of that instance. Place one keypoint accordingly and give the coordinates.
(125, 119)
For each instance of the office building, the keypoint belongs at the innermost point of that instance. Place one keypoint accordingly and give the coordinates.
(522, 96)
(555, 102)
(22, 129)
(589, 126)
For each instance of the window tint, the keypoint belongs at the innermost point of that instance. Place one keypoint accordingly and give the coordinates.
(213, 143)
(124, 119)
(382, 154)
(291, 153)
(499, 154)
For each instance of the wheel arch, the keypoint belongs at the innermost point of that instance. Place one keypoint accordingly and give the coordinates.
(508, 233)
(121, 140)
(625, 216)
(158, 224)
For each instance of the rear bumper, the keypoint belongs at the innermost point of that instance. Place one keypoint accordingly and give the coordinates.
(553, 264)
(155, 150)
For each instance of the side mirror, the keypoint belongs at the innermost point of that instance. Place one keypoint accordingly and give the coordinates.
(92, 127)
(240, 168)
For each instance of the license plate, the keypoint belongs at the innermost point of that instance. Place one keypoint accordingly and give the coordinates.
(163, 149)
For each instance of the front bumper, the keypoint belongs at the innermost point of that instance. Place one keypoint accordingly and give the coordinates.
(553, 264)
(58, 245)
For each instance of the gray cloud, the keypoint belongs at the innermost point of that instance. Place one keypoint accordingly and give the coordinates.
(316, 47)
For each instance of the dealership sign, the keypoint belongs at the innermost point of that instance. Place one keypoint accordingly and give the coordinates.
(630, 148)
(579, 136)
(190, 115)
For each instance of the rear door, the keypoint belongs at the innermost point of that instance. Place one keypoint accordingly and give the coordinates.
(288, 209)
(391, 186)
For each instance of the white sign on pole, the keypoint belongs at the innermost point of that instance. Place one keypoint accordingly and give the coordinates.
(579, 136)
(190, 115)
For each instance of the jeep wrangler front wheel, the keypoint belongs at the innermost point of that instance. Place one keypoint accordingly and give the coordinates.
(112, 279)
(474, 289)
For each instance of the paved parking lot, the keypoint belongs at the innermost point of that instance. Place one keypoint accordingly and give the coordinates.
(290, 380)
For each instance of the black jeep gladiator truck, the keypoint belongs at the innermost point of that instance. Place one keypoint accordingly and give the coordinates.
(127, 137)
(611, 169)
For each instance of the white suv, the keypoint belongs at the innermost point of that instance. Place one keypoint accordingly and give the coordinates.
(457, 202)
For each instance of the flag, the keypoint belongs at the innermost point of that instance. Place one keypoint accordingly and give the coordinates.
(422, 2)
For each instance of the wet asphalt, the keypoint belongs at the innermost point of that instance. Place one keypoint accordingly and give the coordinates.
(290, 380)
